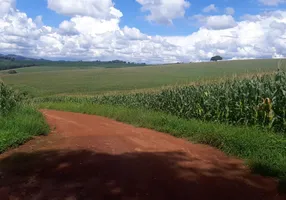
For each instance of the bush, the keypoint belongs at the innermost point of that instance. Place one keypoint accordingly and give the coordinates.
(18, 122)
(8, 99)
(12, 71)
(216, 58)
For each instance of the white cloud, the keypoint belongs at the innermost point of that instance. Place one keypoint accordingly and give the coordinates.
(272, 2)
(6, 6)
(164, 11)
(101, 9)
(216, 21)
(81, 37)
(229, 11)
(134, 34)
(68, 28)
(265, 37)
(92, 38)
(93, 26)
(210, 8)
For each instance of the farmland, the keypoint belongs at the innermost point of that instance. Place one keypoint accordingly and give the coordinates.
(235, 106)
(256, 101)
(52, 80)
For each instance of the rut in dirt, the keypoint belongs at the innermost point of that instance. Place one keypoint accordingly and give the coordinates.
(90, 157)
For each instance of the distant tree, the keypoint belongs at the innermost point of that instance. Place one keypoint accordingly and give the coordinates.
(216, 58)
(12, 71)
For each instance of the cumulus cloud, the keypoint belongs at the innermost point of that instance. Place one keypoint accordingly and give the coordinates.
(18, 32)
(68, 28)
(210, 8)
(6, 6)
(81, 37)
(164, 11)
(100, 9)
(87, 37)
(264, 37)
(134, 34)
(216, 21)
(272, 2)
(93, 26)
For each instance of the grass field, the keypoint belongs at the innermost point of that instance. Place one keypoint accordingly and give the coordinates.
(52, 80)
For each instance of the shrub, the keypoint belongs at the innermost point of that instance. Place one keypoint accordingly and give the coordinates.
(12, 71)
(8, 99)
(216, 58)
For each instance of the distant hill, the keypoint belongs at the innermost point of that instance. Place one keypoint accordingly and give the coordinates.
(19, 58)
(12, 61)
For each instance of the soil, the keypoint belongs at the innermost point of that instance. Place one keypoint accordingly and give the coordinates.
(89, 157)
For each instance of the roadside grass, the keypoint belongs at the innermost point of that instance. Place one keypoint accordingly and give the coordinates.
(264, 152)
(20, 125)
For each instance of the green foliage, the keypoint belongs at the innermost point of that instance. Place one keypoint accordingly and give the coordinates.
(20, 125)
(18, 122)
(258, 101)
(12, 71)
(265, 152)
(8, 99)
(216, 58)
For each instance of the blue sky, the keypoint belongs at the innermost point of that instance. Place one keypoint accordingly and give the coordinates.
(34, 8)
(133, 17)
(152, 31)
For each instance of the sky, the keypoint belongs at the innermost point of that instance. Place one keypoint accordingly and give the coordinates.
(150, 31)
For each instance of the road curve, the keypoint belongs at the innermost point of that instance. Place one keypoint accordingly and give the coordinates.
(90, 157)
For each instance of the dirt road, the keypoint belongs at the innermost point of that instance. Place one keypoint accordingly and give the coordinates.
(89, 157)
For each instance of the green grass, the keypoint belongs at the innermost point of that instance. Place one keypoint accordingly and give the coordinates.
(19, 126)
(53, 80)
(264, 152)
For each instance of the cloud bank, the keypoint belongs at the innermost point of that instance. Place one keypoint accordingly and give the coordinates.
(93, 32)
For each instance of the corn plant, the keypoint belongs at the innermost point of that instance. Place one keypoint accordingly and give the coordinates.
(259, 101)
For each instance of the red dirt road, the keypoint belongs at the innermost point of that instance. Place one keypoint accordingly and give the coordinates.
(90, 157)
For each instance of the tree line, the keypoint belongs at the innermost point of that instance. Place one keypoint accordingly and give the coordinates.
(15, 66)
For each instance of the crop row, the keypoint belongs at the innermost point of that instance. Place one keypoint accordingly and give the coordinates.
(260, 100)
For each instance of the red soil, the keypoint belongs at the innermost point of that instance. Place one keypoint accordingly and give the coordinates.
(90, 157)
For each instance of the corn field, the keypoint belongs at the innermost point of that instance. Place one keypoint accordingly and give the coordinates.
(259, 101)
